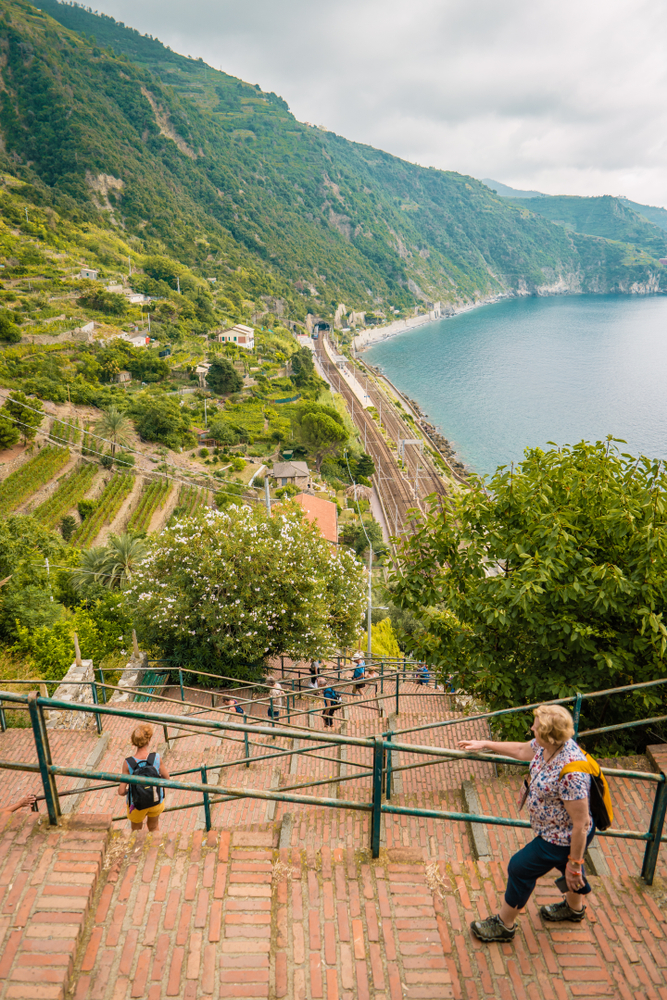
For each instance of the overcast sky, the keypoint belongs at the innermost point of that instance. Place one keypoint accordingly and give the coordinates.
(566, 97)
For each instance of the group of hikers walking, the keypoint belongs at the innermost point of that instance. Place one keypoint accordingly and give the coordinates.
(566, 794)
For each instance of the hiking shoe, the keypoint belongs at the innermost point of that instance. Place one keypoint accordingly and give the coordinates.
(562, 911)
(492, 929)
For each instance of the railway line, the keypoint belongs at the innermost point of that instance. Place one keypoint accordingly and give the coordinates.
(401, 491)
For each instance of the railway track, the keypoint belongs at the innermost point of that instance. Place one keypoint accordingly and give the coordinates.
(401, 491)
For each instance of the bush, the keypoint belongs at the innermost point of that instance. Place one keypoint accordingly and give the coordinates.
(203, 452)
(67, 526)
(86, 508)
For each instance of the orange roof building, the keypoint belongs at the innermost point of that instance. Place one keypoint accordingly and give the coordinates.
(324, 513)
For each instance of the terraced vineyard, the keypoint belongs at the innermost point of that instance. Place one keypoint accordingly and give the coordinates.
(154, 495)
(21, 484)
(66, 432)
(71, 489)
(190, 499)
(115, 492)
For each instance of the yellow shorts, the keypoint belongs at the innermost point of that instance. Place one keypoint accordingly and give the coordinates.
(139, 815)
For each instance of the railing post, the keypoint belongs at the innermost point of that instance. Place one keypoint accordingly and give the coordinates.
(576, 714)
(98, 717)
(180, 681)
(388, 772)
(376, 814)
(3, 720)
(397, 693)
(655, 829)
(44, 758)
(207, 803)
(166, 734)
(273, 721)
(104, 690)
(247, 748)
(382, 677)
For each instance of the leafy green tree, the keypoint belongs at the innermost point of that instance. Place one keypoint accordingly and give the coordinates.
(26, 599)
(25, 413)
(223, 377)
(222, 432)
(161, 419)
(115, 427)
(357, 536)
(303, 369)
(364, 466)
(200, 598)
(67, 526)
(110, 303)
(322, 429)
(547, 580)
(9, 331)
(9, 433)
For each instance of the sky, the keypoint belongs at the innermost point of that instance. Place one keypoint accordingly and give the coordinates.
(565, 98)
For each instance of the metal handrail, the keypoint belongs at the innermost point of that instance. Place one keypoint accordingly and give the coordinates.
(383, 749)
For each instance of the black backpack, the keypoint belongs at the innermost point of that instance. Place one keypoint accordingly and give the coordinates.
(144, 796)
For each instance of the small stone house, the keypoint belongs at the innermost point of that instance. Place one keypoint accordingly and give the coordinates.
(291, 474)
(122, 377)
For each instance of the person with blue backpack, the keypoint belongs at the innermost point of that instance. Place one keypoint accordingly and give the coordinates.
(144, 802)
(332, 702)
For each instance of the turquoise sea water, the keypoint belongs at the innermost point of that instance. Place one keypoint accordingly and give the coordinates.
(523, 372)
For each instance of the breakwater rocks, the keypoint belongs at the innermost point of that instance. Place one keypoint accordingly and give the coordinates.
(441, 443)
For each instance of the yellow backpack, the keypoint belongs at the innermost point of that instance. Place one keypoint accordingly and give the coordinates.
(600, 798)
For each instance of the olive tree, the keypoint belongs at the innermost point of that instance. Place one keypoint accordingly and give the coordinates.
(550, 578)
(224, 590)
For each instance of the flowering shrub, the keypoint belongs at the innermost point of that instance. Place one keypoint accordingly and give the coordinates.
(225, 589)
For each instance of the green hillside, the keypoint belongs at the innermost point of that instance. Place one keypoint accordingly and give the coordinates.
(186, 167)
(653, 213)
(606, 216)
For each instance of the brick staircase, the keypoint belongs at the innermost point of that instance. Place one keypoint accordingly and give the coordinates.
(281, 900)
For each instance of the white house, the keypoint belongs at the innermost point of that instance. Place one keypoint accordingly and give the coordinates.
(242, 336)
(136, 339)
(89, 272)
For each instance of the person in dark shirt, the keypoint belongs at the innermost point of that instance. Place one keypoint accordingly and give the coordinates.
(315, 668)
(232, 703)
(332, 702)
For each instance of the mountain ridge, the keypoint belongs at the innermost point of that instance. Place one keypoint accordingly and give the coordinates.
(196, 165)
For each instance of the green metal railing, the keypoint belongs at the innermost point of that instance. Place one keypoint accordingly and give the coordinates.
(382, 767)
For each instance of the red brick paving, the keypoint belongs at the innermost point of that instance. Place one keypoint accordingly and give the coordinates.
(111, 915)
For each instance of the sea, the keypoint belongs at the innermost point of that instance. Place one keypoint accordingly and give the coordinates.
(521, 373)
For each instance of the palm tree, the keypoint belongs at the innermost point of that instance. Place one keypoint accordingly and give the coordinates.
(91, 568)
(124, 553)
(115, 427)
(111, 565)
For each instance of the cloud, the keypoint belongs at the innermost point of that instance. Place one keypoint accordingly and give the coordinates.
(568, 98)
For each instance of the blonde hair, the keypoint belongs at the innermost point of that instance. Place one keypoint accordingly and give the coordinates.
(142, 735)
(322, 682)
(553, 723)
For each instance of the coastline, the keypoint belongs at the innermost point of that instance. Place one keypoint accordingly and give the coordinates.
(370, 336)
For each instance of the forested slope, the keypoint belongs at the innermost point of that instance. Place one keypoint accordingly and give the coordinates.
(112, 128)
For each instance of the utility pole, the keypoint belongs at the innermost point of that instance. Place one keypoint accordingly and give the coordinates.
(205, 415)
(26, 214)
(178, 285)
(129, 261)
(369, 612)
(267, 495)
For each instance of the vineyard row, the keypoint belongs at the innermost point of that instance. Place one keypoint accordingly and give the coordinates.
(71, 489)
(115, 493)
(21, 484)
(153, 496)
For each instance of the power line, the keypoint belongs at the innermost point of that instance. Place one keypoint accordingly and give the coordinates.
(132, 451)
(59, 442)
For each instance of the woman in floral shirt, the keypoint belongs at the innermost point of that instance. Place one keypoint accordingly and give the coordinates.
(559, 815)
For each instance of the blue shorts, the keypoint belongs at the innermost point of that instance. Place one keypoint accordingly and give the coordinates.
(534, 860)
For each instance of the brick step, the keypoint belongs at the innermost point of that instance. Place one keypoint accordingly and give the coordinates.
(48, 880)
(232, 914)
